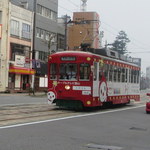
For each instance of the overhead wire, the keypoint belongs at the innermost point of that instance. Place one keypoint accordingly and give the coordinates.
(138, 44)
(67, 8)
(135, 42)
(73, 3)
(55, 3)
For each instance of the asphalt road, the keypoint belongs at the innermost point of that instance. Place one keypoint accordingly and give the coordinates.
(113, 129)
(127, 128)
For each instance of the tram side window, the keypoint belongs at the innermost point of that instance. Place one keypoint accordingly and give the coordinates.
(134, 76)
(138, 73)
(53, 72)
(119, 74)
(84, 71)
(68, 71)
(106, 71)
(111, 73)
(129, 75)
(123, 74)
(95, 71)
(126, 77)
(115, 73)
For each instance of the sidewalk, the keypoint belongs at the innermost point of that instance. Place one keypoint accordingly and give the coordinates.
(22, 98)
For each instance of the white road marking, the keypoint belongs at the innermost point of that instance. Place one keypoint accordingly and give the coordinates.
(70, 117)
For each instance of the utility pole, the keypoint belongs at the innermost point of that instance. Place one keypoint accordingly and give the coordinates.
(65, 48)
(83, 6)
(101, 37)
(33, 45)
(66, 20)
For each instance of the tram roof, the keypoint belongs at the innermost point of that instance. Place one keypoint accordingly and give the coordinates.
(86, 53)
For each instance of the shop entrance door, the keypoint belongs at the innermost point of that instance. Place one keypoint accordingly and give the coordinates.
(11, 81)
(25, 81)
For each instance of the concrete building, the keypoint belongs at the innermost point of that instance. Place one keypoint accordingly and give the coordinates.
(84, 29)
(4, 50)
(46, 38)
(29, 32)
(20, 49)
(16, 26)
(148, 72)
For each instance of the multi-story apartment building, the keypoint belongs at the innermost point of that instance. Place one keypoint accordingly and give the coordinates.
(84, 29)
(47, 35)
(16, 47)
(28, 33)
(20, 42)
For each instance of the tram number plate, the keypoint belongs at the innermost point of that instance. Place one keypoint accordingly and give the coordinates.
(68, 58)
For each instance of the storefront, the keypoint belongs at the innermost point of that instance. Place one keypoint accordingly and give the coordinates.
(20, 79)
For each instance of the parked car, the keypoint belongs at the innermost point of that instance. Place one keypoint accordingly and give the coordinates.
(148, 105)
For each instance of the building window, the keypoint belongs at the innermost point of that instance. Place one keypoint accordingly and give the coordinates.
(43, 55)
(61, 41)
(53, 15)
(26, 31)
(46, 12)
(45, 35)
(40, 33)
(39, 9)
(16, 50)
(14, 30)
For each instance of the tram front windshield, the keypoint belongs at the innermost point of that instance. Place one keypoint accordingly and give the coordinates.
(68, 71)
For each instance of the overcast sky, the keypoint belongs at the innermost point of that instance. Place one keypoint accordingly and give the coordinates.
(132, 16)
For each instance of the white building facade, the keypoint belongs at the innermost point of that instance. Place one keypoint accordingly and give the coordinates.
(4, 44)
(20, 47)
(16, 26)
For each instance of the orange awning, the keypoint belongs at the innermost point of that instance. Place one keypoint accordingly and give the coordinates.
(19, 70)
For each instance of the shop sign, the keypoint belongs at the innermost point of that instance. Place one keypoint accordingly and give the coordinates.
(19, 60)
(27, 65)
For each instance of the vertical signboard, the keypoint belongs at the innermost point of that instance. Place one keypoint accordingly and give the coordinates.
(0, 31)
(19, 61)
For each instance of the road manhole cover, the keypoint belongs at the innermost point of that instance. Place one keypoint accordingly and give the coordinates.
(103, 147)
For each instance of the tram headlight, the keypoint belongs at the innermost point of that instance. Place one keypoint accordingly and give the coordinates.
(88, 102)
(67, 87)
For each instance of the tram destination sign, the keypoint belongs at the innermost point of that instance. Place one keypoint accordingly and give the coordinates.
(68, 58)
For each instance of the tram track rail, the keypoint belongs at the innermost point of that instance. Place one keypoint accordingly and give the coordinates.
(25, 113)
(10, 115)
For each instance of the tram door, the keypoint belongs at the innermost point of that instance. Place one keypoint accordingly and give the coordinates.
(96, 79)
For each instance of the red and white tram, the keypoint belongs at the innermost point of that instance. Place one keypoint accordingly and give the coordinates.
(79, 79)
